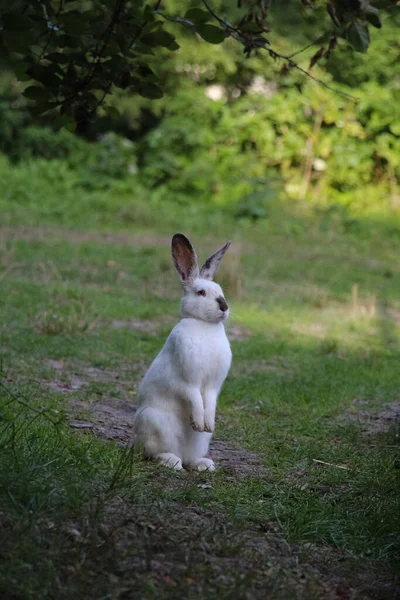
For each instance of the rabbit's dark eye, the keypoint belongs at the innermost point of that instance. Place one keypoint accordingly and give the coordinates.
(201, 293)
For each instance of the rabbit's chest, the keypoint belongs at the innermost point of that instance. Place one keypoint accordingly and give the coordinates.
(207, 358)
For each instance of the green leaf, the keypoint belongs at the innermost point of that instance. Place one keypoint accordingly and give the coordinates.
(174, 46)
(134, 82)
(196, 15)
(66, 109)
(148, 13)
(382, 3)
(395, 128)
(124, 45)
(144, 72)
(78, 58)
(65, 122)
(358, 37)
(74, 23)
(211, 34)
(158, 38)
(111, 49)
(69, 124)
(372, 15)
(150, 90)
(58, 57)
(19, 41)
(16, 21)
(141, 49)
(48, 75)
(20, 71)
(259, 41)
(39, 109)
(34, 92)
(113, 112)
(251, 27)
(70, 41)
(115, 64)
(91, 99)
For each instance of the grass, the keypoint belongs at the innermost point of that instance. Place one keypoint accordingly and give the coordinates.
(87, 303)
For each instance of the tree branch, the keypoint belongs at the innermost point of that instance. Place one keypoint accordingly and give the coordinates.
(273, 54)
(221, 21)
(178, 20)
(314, 43)
(294, 65)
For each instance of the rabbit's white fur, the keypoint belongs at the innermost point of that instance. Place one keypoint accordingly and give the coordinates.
(178, 395)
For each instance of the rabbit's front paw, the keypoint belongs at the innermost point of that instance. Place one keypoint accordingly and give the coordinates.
(209, 423)
(197, 422)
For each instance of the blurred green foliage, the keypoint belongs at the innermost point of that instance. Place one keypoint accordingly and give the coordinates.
(232, 132)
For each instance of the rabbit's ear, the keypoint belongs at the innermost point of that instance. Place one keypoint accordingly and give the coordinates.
(185, 259)
(211, 265)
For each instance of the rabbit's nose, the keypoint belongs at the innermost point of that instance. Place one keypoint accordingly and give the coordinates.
(222, 303)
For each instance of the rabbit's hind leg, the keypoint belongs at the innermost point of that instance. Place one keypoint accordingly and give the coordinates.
(195, 451)
(202, 464)
(170, 460)
(158, 433)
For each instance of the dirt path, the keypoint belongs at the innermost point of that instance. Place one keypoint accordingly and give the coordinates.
(111, 418)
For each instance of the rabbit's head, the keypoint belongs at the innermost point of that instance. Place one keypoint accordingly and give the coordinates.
(203, 298)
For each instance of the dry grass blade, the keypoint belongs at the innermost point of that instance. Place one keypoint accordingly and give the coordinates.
(323, 462)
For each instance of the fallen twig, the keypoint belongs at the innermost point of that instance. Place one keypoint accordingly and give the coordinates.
(322, 462)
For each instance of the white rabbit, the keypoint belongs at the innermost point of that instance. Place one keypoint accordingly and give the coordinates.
(178, 395)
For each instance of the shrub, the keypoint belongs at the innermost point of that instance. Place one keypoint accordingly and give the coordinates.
(325, 148)
(35, 142)
(95, 164)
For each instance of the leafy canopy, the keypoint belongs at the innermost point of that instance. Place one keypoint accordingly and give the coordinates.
(75, 53)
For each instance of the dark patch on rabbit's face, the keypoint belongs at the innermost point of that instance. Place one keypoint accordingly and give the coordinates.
(205, 301)
(222, 303)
